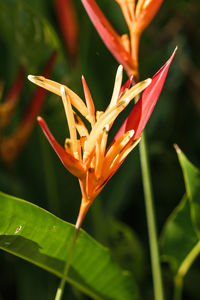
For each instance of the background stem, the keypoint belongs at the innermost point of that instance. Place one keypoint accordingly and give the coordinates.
(178, 287)
(61, 286)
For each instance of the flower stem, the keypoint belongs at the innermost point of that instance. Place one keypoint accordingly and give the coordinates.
(61, 286)
(151, 224)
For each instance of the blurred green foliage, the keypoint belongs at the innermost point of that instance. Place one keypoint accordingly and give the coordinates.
(29, 32)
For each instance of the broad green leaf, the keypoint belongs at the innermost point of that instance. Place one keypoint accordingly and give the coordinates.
(179, 242)
(41, 238)
(192, 183)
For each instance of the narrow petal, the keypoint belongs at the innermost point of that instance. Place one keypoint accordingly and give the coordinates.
(111, 39)
(54, 87)
(126, 86)
(70, 119)
(73, 165)
(117, 86)
(89, 101)
(117, 162)
(111, 114)
(80, 126)
(116, 148)
(142, 111)
(102, 148)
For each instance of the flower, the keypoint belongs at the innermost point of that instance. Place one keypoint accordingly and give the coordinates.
(137, 16)
(86, 155)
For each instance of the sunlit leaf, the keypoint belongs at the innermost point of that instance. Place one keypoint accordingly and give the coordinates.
(192, 183)
(180, 243)
(43, 239)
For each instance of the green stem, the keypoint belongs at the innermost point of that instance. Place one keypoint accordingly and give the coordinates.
(178, 282)
(61, 286)
(183, 269)
(151, 224)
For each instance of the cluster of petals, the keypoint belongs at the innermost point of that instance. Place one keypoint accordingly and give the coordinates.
(86, 153)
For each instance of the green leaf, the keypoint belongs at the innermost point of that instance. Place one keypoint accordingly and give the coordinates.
(179, 242)
(192, 183)
(41, 238)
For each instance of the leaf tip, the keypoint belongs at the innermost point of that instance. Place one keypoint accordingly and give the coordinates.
(178, 150)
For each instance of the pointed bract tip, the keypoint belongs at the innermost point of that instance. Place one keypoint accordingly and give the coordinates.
(178, 150)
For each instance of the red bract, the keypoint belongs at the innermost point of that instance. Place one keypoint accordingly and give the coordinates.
(110, 37)
(69, 25)
(142, 110)
(71, 164)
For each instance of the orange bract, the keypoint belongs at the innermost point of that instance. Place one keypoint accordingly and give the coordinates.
(85, 154)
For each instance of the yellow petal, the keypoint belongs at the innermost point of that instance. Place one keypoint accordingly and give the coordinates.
(70, 119)
(116, 148)
(117, 86)
(54, 87)
(80, 126)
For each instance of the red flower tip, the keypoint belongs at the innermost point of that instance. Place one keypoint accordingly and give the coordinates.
(70, 163)
(109, 36)
(142, 110)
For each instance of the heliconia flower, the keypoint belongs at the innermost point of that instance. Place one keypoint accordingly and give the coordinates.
(110, 37)
(86, 154)
(11, 146)
(137, 16)
(11, 99)
(68, 20)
